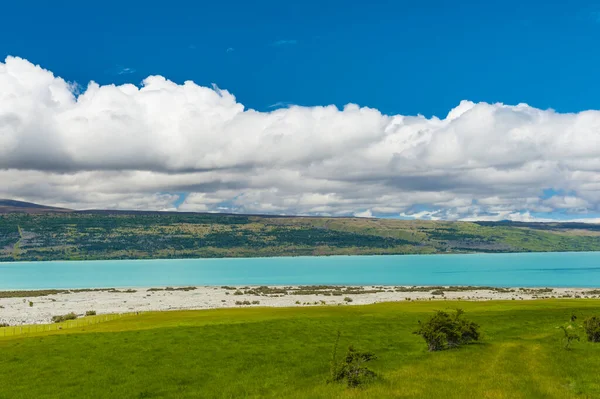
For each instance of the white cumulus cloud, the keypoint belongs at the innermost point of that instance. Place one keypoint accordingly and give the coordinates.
(131, 146)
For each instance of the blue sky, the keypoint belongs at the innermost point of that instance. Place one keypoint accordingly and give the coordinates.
(397, 56)
(168, 145)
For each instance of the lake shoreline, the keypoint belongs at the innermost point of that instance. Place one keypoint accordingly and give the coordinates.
(291, 256)
(39, 306)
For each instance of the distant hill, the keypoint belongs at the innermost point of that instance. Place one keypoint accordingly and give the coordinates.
(36, 232)
(12, 206)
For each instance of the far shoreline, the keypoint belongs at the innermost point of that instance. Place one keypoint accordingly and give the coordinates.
(9, 262)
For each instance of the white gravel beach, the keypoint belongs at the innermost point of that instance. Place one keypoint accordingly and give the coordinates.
(31, 308)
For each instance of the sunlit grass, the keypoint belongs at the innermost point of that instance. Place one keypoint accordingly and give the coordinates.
(284, 353)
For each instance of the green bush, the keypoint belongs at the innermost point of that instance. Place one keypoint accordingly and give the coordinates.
(444, 330)
(4, 325)
(65, 317)
(348, 299)
(569, 336)
(591, 326)
(352, 368)
(90, 313)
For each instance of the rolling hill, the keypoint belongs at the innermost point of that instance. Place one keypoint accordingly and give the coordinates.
(12, 206)
(36, 232)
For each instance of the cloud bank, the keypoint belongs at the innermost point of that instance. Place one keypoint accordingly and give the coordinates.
(135, 147)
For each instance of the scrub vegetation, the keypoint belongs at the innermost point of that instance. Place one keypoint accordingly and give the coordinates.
(143, 235)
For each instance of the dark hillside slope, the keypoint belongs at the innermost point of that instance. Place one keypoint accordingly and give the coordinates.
(58, 234)
(12, 206)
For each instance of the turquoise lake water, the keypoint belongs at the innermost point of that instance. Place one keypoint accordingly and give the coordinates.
(573, 269)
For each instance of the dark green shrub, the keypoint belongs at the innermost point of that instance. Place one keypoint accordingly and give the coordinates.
(65, 317)
(356, 372)
(591, 325)
(352, 368)
(4, 325)
(468, 330)
(30, 304)
(348, 299)
(255, 302)
(90, 313)
(444, 330)
(238, 292)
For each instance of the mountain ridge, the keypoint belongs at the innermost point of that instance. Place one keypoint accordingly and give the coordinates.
(14, 206)
(36, 232)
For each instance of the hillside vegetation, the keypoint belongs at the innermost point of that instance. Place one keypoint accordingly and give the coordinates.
(286, 353)
(127, 235)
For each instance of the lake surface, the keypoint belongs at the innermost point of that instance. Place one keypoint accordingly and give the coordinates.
(573, 269)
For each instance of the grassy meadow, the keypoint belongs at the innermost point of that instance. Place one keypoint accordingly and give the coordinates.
(285, 353)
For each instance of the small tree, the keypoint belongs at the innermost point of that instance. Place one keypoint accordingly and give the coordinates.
(591, 325)
(569, 336)
(444, 330)
(352, 368)
(356, 371)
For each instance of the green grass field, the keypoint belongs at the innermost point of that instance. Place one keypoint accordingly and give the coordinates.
(285, 353)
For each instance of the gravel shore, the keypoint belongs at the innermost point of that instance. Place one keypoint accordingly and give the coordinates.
(37, 307)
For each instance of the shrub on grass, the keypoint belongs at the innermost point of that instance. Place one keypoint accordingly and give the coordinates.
(4, 325)
(569, 336)
(348, 299)
(90, 313)
(65, 317)
(591, 325)
(352, 367)
(444, 330)
(256, 302)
